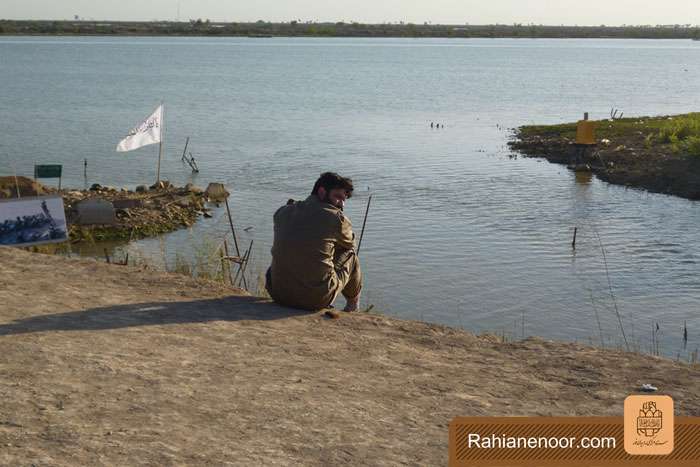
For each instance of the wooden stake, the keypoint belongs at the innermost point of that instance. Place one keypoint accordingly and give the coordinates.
(233, 231)
(184, 151)
(228, 267)
(369, 201)
(573, 243)
(107, 256)
(223, 267)
(244, 266)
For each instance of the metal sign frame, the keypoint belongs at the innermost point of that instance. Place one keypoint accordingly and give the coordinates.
(48, 171)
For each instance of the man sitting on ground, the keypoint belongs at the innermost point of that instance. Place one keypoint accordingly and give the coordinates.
(313, 252)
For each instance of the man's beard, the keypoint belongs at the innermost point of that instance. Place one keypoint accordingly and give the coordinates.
(327, 199)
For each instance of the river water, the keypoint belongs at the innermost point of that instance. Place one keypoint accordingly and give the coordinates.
(459, 232)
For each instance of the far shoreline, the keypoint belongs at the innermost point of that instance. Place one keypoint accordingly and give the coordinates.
(337, 37)
(263, 29)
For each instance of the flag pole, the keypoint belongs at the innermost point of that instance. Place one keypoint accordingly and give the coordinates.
(160, 147)
(14, 168)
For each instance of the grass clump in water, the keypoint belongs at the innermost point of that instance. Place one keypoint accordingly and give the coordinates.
(204, 263)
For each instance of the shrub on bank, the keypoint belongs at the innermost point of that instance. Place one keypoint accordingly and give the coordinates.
(679, 129)
(683, 133)
(692, 146)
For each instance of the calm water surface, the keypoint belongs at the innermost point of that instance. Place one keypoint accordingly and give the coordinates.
(459, 232)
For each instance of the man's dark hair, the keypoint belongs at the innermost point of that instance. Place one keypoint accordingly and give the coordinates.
(330, 181)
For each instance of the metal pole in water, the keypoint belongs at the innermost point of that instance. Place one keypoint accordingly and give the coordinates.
(184, 151)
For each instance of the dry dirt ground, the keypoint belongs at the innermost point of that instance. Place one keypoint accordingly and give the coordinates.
(113, 365)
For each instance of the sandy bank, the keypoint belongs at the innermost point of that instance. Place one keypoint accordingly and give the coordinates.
(115, 365)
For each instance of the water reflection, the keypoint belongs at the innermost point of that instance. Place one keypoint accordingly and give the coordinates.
(583, 177)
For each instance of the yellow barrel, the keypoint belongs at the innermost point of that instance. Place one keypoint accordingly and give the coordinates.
(585, 132)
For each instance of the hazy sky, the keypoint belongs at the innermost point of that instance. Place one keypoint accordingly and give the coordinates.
(588, 12)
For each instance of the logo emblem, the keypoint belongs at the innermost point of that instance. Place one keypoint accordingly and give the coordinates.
(648, 425)
(650, 420)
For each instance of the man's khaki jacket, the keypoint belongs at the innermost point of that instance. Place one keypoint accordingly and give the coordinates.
(309, 236)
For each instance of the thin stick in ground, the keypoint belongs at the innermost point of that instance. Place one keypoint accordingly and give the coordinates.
(612, 294)
(222, 256)
(364, 223)
(228, 265)
(233, 230)
(246, 257)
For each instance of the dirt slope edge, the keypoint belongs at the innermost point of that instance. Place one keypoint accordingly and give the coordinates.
(109, 365)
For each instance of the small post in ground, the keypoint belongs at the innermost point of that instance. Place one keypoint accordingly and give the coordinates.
(222, 260)
(244, 266)
(228, 265)
(233, 230)
(364, 223)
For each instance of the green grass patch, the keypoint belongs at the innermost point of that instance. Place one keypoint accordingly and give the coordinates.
(679, 129)
(609, 128)
(681, 132)
(692, 146)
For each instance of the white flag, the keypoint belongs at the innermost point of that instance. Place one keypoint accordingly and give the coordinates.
(147, 132)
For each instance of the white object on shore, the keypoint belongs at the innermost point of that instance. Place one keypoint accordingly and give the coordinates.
(649, 388)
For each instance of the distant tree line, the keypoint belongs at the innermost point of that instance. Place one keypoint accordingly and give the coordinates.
(201, 27)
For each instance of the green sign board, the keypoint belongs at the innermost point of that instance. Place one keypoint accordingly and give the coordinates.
(48, 171)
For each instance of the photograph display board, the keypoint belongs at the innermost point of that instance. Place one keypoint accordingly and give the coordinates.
(32, 221)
